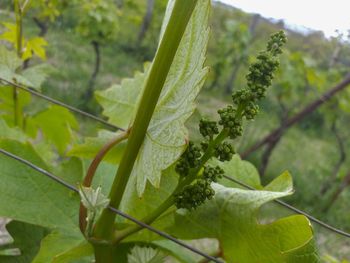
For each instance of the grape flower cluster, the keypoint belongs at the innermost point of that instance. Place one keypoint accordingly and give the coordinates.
(230, 125)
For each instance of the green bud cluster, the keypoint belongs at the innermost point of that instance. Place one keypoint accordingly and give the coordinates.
(230, 121)
(208, 128)
(189, 159)
(224, 151)
(260, 74)
(251, 110)
(194, 195)
(276, 43)
(245, 105)
(212, 174)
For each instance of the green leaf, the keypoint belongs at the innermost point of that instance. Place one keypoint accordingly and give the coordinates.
(83, 252)
(11, 133)
(9, 63)
(145, 255)
(91, 146)
(120, 101)
(35, 46)
(240, 170)
(231, 217)
(60, 247)
(56, 124)
(27, 240)
(166, 136)
(10, 34)
(34, 198)
(175, 250)
(9, 59)
(36, 75)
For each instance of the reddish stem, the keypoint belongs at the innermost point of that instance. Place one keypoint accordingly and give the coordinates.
(92, 171)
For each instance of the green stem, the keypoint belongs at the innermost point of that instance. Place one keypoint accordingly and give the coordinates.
(104, 253)
(175, 29)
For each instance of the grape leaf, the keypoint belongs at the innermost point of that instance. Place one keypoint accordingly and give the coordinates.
(34, 198)
(9, 59)
(27, 239)
(175, 250)
(33, 76)
(60, 247)
(36, 75)
(166, 135)
(120, 101)
(231, 218)
(240, 170)
(91, 146)
(35, 46)
(11, 133)
(56, 123)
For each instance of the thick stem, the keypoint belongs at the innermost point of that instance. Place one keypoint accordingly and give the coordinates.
(104, 253)
(299, 116)
(177, 24)
(90, 90)
(92, 171)
(42, 25)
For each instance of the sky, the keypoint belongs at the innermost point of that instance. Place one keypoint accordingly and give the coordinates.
(322, 15)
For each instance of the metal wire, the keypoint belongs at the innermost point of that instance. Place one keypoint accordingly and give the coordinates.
(71, 108)
(294, 209)
(150, 228)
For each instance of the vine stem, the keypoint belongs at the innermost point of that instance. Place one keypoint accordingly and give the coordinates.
(92, 171)
(174, 31)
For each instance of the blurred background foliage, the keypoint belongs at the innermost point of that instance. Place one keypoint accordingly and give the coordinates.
(92, 44)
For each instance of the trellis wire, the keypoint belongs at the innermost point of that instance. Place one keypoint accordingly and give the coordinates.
(310, 217)
(62, 104)
(144, 225)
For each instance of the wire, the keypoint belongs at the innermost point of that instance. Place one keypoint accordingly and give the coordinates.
(71, 108)
(298, 211)
(144, 225)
